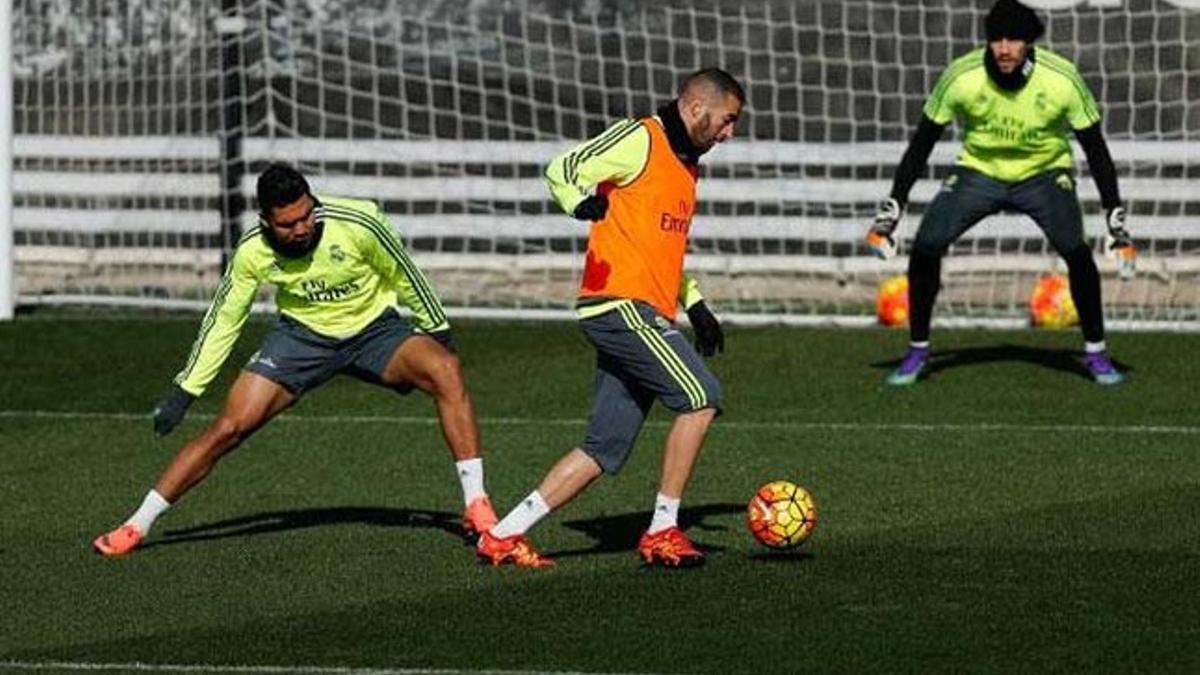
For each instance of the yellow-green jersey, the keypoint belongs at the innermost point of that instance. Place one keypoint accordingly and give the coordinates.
(357, 271)
(1013, 135)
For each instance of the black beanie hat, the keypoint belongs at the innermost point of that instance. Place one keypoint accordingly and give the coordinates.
(1011, 19)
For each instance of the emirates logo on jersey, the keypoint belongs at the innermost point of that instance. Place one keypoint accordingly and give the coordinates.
(678, 222)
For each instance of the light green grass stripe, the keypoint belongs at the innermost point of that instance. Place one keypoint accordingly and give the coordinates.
(138, 666)
(783, 425)
(666, 355)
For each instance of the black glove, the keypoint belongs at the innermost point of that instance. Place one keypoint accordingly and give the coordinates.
(170, 411)
(592, 208)
(446, 339)
(709, 338)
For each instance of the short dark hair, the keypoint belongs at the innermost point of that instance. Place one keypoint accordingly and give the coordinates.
(718, 79)
(280, 185)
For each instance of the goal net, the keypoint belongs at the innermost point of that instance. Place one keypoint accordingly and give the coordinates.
(141, 124)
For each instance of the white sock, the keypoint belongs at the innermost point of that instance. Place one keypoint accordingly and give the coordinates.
(919, 345)
(523, 516)
(666, 513)
(152, 507)
(1094, 347)
(470, 474)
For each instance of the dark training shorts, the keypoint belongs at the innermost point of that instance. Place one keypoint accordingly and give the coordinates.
(640, 356)
(298, 359)
(967, 196)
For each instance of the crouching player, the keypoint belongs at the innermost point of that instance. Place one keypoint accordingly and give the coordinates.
(339, 272)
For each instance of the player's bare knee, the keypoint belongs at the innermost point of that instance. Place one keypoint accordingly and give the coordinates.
(228, 431)
(445, 376)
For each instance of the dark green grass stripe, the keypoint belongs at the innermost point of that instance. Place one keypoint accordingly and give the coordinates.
(665, 355)
(381, 231)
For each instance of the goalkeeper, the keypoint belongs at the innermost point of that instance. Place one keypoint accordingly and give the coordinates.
(1016, 103)
(339, 272)
(636, 183)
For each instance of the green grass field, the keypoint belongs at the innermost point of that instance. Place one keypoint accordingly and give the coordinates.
(1006, 515)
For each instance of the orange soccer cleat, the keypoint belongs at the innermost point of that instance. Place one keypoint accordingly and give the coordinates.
(671, 548)
(515, 549)
(118, 542)
(479, 516)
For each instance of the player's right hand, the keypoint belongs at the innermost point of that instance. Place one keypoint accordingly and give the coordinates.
(170, 411)
(880, 238)
(592, 208)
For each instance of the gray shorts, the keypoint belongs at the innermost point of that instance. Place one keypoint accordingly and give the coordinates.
(640, 356)
(298, 359)
(967, 197)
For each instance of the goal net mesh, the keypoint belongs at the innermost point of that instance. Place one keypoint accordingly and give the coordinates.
(129, 112)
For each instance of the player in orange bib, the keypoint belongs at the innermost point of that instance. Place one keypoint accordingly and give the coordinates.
(636, 183)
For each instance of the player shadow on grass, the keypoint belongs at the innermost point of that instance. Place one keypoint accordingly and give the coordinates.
(1064, 360)
(299, 519)
(620, 533)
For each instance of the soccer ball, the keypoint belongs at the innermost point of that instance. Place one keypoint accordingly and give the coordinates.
(1051, 305)
(781, 514)
(891, 303)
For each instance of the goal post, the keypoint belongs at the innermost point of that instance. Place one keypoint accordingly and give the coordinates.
(140, 124)
(8, 293)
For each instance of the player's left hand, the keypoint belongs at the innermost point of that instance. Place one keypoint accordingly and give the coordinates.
(446, 339)
(710, 340)
(1118, 245)
(170, 411)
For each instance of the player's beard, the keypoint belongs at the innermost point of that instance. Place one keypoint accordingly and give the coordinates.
(295, 249)
(704, 139)
(1008, 81)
